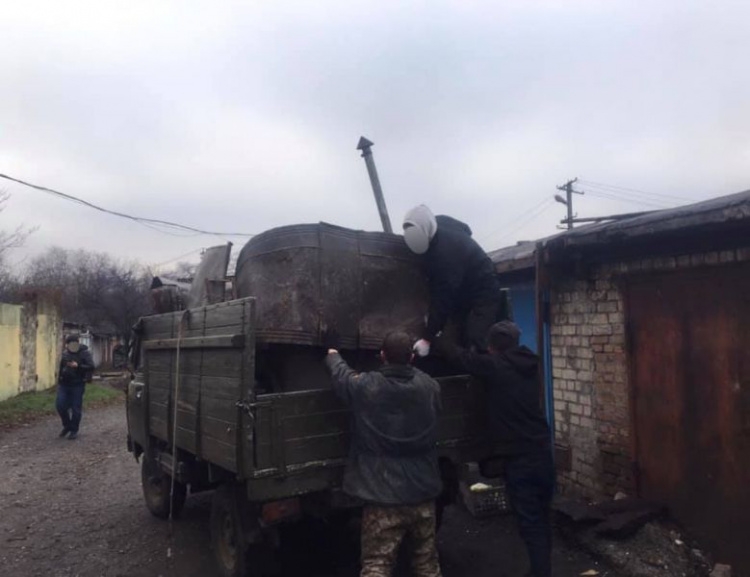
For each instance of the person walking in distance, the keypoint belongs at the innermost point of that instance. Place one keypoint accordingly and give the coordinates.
(76, 365)
(392, 465)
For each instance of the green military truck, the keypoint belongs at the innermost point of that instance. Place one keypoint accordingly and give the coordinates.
(234, 396)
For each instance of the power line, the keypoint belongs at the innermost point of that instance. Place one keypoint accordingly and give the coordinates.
(170, 233)
(541, 209)
(615, 188)
(636, 191)
(636, 201)
(531, 217)
(515, 219)
(627, 198)
(140, 220)
(171, 260)
(632, 196)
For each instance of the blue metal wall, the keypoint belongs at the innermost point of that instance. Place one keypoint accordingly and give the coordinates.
(523, 305)
(522, 299)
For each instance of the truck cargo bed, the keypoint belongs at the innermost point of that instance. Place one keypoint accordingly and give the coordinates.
(204, 360)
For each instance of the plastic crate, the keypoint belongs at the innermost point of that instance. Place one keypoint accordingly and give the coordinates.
(485, 502)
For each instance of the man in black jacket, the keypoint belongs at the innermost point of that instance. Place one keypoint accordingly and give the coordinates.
(76, 365)
(519, 432)
(462, 278)
(392, 463)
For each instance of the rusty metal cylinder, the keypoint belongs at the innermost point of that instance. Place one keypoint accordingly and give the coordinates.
(316, 279)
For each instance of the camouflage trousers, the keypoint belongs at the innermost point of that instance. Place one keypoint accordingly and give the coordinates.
(383, 530)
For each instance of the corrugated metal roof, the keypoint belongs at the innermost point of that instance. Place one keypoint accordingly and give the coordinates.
(516, 252)
(734, 208)
(516, 257)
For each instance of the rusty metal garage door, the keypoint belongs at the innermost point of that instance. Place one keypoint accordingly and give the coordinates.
(690, 372)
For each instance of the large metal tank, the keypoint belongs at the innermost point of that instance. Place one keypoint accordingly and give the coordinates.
(310, 279)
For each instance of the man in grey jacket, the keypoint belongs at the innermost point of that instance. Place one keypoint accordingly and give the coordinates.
(392, 464)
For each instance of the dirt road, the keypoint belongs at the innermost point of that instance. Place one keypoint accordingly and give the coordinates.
(74, 508)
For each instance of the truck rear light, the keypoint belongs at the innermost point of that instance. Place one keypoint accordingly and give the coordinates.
(278, 511)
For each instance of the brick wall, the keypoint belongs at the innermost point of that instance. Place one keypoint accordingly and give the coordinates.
(590, 371)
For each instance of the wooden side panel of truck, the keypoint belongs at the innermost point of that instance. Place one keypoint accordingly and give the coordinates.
(280, 444)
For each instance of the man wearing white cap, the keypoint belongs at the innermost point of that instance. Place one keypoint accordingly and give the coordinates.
(462, 278)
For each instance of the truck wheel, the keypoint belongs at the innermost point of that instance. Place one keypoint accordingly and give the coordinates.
(156, 486)
(234, 555)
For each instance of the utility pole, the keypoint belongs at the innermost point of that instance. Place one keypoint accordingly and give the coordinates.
(365, 146)
(568, 200)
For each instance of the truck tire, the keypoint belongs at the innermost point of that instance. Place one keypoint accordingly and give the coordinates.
(156, 487)
(235, 556)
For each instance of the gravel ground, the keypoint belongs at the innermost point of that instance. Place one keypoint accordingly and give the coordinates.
(74, 508)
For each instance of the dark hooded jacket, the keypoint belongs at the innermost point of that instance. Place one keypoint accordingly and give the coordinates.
(461, 274)
(76, 376)
(393, 451)
(516, 421)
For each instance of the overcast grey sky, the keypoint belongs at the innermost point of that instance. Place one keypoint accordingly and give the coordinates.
(245, 116)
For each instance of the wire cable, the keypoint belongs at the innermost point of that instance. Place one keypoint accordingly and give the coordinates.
(540, 209)
(176, 413)
(632, 197)
(140, 220)
(530, 218)
(169, 232)
(516, 219)
(175, 259)
(621, 189)
(635, 201)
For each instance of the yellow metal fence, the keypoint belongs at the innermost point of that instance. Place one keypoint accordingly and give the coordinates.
(30, 344)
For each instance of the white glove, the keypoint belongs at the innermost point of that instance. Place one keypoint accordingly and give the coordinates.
(422, 348)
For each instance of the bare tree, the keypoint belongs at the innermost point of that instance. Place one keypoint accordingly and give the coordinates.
(183, 270)
(9, 241)
(96, 289)
(9, 284)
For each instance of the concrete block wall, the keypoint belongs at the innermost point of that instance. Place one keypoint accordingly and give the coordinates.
(10, 350)
(27, 341)
(590, 370)
(49, 337)
(30, 337)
